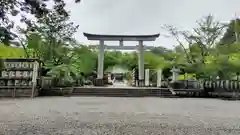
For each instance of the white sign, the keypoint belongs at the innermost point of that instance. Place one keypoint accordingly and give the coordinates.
(35, 72)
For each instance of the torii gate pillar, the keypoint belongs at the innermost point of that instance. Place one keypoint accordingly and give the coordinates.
(100, 60)
(141, 64)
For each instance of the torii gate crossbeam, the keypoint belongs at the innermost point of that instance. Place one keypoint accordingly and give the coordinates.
(115, 47)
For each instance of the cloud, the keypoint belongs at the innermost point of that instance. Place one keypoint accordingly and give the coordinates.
(145, 16)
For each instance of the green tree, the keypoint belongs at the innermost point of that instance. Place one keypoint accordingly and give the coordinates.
(6, 36)
(84, 59)
(205, 35)
(130, 60)
(111, 59)
(52, 36)
(229, 36)
(38, 8)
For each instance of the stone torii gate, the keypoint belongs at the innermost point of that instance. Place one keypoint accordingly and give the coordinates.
(121, 38)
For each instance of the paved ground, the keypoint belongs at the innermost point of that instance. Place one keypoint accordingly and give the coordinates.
(117, 116)
(120, 84)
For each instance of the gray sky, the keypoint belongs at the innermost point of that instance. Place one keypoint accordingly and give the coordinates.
(145, 16)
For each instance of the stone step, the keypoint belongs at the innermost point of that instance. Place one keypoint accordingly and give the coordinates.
(126, 92)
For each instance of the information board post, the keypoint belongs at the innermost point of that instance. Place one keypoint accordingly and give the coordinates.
(34, 77)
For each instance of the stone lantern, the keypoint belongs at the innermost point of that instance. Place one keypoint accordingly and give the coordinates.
(175, 73)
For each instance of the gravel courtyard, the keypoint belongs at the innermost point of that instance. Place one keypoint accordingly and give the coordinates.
(118, 116)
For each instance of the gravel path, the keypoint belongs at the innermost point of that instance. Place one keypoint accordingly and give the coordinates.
(118, 116)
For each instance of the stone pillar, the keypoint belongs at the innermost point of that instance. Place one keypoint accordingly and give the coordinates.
(99, 81)
(147, 77)
(159, 77)
(109, 78)
(174, 76)
(133, 77)
(141, 64)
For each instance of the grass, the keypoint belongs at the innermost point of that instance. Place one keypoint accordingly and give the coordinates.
(11, 52)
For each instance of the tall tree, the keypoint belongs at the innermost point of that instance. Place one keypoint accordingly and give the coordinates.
(50, 37)
(205, 36)
(38, 8)
(6, 36)
(229, 36)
